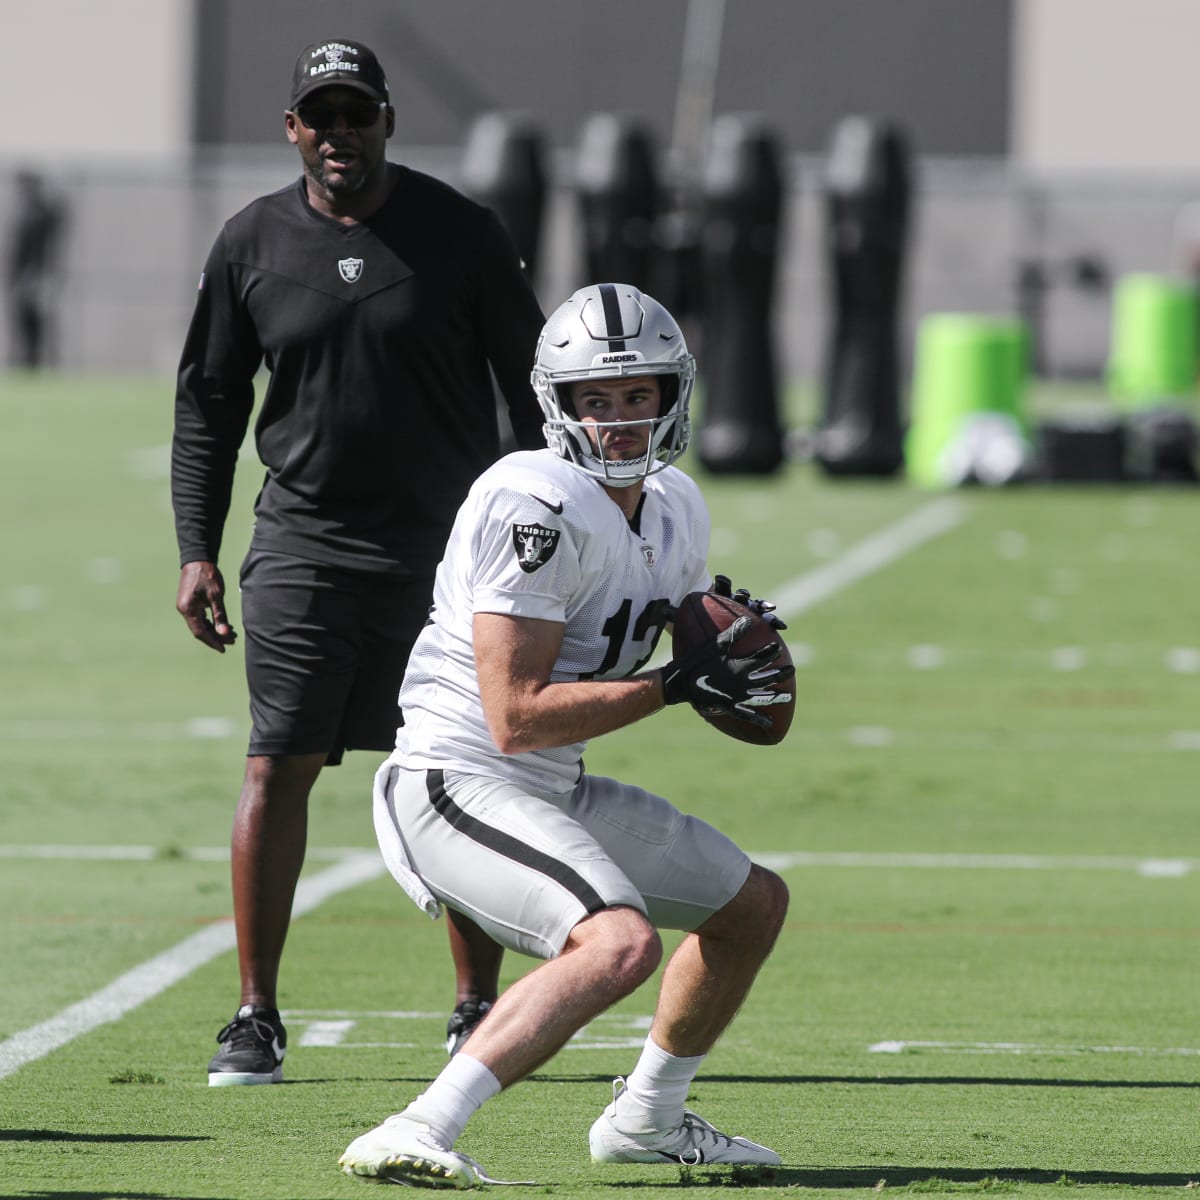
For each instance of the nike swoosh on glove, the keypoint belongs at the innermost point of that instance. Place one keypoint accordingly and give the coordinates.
(713, 681)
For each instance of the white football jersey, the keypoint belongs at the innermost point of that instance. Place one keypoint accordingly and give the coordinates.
(536, 537)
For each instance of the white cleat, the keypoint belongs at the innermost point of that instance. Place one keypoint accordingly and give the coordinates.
(402, 1150)
(692, 1142)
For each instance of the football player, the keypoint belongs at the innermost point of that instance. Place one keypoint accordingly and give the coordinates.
(559, 576)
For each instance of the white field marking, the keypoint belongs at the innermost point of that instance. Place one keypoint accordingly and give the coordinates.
(1029, 741)
(103, 570)
(899, 1047)
(1068, 658)
(1183, 660)
(872, 554)
(356, 1014)
(151, 853)
(803, 655)
(150, 462)
(123, 731)
(208, 728)
(925, 657)
(1151, 868)
(325, 1029)
(325, 1033)
(155, 975)
(27, 597)
(870, 735)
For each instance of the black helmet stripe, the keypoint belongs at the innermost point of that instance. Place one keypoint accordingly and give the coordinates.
(612, 317)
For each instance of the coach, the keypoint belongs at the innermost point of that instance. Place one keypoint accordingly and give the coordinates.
(377, 297)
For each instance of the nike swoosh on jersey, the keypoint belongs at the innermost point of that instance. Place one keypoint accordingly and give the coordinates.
(554, 508)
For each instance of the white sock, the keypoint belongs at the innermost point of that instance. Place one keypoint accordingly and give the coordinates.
(453, 1098)
(655, 1092)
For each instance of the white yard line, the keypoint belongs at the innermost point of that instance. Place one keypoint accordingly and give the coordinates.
(142, 983)
(355, 867)
(151, 853)
(870, 555)
(157, 974)
(899, 1047)
(777, 860)
(1153, 868)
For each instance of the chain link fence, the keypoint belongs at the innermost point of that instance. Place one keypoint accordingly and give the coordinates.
(984, 238)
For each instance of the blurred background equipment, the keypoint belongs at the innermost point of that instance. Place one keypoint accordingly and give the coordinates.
(740, 428)
(1152, 376)
(1037, 279)
(504, 167)
(678, 273)
(969, 422)
(1153, 355)
(617, 185)
(33, 271)
(1038, 181)
(868, 186)
(1082, 448)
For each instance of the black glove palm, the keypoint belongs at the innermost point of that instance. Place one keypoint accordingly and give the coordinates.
(715, 682)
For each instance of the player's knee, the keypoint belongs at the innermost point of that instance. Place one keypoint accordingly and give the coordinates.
(772, 901)
(754, 917)
(626, 947)
(641, 955)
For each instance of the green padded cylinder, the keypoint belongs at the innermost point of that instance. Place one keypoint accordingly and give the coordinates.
(966, 365)
(1153, 344)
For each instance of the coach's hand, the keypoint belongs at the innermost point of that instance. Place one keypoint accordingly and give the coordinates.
(202, 592)
(713, 681)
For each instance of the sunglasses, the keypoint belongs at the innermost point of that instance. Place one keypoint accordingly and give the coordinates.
(358, 114)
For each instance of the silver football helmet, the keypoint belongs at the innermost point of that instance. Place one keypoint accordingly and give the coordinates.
(603, 331)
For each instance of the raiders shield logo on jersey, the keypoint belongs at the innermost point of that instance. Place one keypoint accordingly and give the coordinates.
(350, 268)
(535, 545)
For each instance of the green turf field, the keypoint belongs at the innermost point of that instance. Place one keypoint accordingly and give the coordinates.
(986, 813)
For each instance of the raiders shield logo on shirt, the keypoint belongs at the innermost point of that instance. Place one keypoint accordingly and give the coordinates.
(535, 545)
(350, 268)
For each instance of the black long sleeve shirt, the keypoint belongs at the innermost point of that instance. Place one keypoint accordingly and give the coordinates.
(380, 411)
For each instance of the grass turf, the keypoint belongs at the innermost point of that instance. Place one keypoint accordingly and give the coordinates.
(1023, 685)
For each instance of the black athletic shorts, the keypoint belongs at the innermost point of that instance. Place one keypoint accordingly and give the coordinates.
(325, 653)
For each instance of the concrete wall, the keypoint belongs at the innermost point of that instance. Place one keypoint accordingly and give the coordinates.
(940, 67)
(1102, 157)
(95, 79)
(1055, 84)
(1109, 85)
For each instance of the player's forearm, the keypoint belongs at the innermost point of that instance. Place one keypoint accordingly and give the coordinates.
(559, 714)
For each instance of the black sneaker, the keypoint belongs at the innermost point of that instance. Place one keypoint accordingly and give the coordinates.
(252, 1047)
(462, 1023)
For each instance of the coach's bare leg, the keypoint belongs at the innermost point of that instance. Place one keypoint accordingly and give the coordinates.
(606, 957)
(708, 976)
(270, 829)
(476, 959)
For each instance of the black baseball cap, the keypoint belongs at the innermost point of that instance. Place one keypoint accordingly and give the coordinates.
(339, 62)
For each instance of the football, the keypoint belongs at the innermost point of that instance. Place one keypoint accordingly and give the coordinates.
(698, 619)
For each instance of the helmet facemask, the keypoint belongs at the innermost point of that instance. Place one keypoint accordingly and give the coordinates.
(611, 331)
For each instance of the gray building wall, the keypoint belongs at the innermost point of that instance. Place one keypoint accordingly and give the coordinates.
(1042, 127)
(939, 67)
